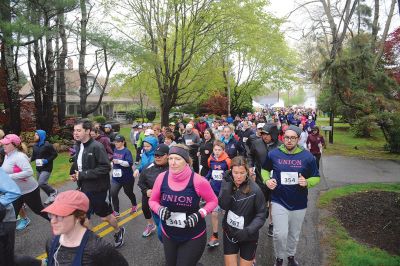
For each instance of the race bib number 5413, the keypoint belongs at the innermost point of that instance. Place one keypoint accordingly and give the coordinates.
(289, 178)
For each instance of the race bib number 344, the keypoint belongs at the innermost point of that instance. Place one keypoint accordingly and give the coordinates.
(177, 219)
(289, 178)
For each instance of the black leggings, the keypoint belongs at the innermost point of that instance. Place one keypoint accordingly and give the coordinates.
(33, 200)
(317, 158)
(7, 240)
(145, 206)
(183, 253)
(128, 189)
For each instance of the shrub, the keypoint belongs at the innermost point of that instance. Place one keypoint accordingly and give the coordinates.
(363, 127)
(150, 115)
(131, 115)
(99, 119)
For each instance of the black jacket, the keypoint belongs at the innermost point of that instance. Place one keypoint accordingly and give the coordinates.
(149, 175)
(205, 146)
(251, 206)
(46, 151)
(244, 139)
(95, 175)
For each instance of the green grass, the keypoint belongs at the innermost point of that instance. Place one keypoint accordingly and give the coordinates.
(344, 143)
(345, 250)
(62, 165)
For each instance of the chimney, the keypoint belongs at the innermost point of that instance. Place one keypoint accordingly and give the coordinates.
(70, 64)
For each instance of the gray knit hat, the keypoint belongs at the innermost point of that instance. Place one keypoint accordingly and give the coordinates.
(295, 129)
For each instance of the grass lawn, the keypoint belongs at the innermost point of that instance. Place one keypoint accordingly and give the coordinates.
(344, 143)
(344, 249)
(62, 165)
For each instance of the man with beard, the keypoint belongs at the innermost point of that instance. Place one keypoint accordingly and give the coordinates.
(294, 172)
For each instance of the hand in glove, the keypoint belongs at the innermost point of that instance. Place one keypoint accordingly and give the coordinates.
(164, 213)
(192, 219)
(241, 235)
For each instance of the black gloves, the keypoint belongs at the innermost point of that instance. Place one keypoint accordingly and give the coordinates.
(193, 219)
(241, 235)
(164, 213)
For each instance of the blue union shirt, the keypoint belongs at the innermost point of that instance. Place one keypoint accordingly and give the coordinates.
(286, 167)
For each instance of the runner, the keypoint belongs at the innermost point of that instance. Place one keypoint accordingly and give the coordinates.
(294, 172)
(44, 154)
(90, 169)
(245, 213)
(205, 151)
(9, 192)
(218, 164)
(232, 146)
(16, 165)
(169, 139)
(149, 146)
(192, 140)
(146, 182)
(73, 243)
(315, 144)
(122, 175)
(175, 198)
(258, 152)
(99, 136)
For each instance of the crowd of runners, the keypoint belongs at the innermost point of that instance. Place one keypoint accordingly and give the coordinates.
(244, 171)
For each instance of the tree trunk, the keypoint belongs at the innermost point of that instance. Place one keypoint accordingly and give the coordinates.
(165, 108)
(8, 64)
(61, 88)
(48, 97)
(82, 54)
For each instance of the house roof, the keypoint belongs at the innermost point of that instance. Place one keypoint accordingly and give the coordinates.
(72, 82)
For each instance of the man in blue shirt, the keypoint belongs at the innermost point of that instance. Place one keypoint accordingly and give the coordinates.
(294, 172)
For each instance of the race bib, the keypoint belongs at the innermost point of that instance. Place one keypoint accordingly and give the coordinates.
(217, 174)
(188, 142)
(117, 172)
(289, 178)
(39, 162)
(234, 220)
(177, 219)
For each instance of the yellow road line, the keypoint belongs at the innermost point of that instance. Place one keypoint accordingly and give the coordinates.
(110, 228)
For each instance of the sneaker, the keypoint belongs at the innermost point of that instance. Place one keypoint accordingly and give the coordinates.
(134, 209)
(50, 199)
(271, 230)
(150, 228)
(23, 223)
(214, 242)
(292, 261)
(119, 237)
(116, 214)
(278, 262)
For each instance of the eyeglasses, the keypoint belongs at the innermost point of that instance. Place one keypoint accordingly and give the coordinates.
(56, 217)
(287, 138)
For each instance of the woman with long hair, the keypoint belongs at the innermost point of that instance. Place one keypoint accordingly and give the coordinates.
(245, 214)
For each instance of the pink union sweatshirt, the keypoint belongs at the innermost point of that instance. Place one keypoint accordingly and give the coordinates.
(178, 182)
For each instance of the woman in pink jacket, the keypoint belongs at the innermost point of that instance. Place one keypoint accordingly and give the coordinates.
(175, 198)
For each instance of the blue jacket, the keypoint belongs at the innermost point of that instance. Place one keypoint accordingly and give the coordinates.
(148, 156)
(232, 147)
(9, 192)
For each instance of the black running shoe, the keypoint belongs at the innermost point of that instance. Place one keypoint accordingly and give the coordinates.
(119, 237)
(278, 262)
(271, 230)
(292, 261)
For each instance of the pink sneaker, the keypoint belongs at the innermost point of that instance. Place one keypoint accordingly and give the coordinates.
(116, 214)
(134, 209)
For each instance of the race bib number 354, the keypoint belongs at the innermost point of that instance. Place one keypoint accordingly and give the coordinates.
(289, 178)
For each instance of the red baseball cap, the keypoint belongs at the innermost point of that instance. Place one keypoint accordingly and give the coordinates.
(11, 138)
(67, 202)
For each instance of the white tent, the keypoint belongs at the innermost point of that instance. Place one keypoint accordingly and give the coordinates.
(257, 105)
(279, 104)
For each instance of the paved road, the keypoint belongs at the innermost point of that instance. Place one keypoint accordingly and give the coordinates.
(142, 252)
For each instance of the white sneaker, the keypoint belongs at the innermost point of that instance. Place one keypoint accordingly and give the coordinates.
(51, 198)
